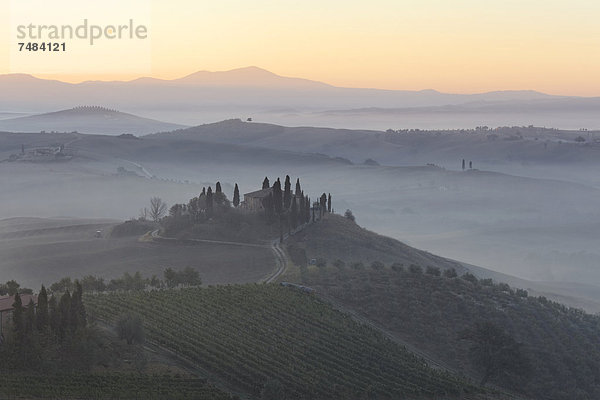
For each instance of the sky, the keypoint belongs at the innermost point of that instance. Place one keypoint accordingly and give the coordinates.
(460, 46)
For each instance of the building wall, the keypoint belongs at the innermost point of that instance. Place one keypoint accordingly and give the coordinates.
(253, 203)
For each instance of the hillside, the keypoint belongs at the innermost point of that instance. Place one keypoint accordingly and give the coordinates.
(254, 335)
(432, 312)
(338, 238)
(488, 147)
(98, 120)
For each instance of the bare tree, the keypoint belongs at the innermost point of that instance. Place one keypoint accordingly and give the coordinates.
(158, 208)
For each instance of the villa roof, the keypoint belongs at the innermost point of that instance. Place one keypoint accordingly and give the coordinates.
(259, 193)
(6, 302)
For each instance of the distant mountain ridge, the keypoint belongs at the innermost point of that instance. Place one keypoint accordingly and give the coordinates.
(205, 96)
(254, 77)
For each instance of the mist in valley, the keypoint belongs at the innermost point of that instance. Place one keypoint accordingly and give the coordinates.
(537, 228)
(527, 208)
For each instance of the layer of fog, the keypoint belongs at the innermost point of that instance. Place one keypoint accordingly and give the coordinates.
(537, 229)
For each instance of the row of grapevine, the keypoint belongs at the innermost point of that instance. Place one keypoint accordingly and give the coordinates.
(107, 386)
(250, 334)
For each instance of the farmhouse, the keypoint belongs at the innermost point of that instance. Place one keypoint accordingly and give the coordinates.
(6, 307)
(253, 201)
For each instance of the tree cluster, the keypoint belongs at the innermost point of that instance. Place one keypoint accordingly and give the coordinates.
(292, 206)
(12, 287)
(207, 205)
(131, 282)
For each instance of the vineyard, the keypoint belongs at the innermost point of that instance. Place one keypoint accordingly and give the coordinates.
(111, 386)
(250, 335)
(432, 312)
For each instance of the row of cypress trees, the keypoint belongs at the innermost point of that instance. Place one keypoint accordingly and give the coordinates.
(58, 319)
(296, 206)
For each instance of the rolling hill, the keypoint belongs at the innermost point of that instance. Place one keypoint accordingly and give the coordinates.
(98, 120)
(254, 335)
(433, 313)
(489, 148)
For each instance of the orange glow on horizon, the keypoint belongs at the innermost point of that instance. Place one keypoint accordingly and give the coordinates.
(459, 47)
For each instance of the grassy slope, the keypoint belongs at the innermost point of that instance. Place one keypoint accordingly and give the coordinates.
(430, 313)
(255, 333)
(336, 237)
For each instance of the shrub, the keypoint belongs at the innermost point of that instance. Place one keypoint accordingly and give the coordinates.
(348, 214)
(450, 273)
(487, 282)
(469, 277)
(357, 266)
(522, 293)
(298, 255)
(398, 267)
(377, 265)
(415, 269)
(321, 262)
(130, 328)
(339, 264)
(435, 271)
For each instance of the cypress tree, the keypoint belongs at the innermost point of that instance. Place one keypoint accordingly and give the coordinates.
(301, 210)
(78, 315)
(277, 197)
(287, 193)
(53, 315)
(278, 206)
(267, 204)
(329, 203)
(236, 196)
(42, 310)
(218, 188)
(64, 312)
(298, 189)
(307, 211)
(17, 316)
(294, 215)
(203, 191)
(209, 201)
(463, 164)
(29, 320)
(266, 183)
(323, 204)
